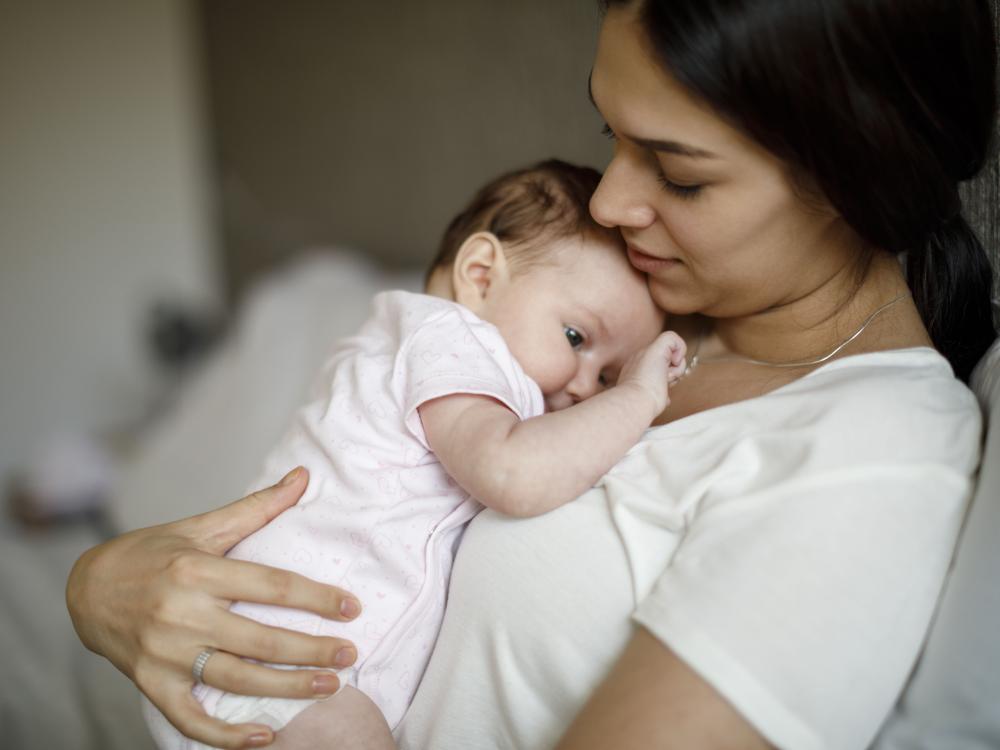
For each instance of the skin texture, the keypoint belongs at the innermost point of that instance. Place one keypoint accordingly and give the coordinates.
(653, 699)
(756, 271)
(350, 720)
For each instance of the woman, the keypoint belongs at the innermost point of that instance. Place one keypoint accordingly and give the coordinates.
(781, 539)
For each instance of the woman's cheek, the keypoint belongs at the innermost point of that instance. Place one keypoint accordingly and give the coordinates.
(721, 227)
(694, 235)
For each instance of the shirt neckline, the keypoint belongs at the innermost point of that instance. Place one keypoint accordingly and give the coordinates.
(850, 360)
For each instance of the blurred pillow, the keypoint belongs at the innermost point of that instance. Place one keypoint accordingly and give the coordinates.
(953, 699)
(211, 444)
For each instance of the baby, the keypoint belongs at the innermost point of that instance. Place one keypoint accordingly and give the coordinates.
(533, 363)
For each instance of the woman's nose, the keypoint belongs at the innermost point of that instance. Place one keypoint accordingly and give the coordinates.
(618, 200)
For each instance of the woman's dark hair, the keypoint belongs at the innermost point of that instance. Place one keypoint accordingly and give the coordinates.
(526, 209)
(883, 106)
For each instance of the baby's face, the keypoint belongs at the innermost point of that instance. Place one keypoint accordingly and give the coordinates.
(573, 323)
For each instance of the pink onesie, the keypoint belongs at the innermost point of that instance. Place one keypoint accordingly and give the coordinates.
(380, 517)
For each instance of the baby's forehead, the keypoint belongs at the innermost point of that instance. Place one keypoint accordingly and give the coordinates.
(589, 268)
(618, 300)
(588, 252)
(604, 271)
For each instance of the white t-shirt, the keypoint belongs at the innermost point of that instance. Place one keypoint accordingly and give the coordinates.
(790, 548)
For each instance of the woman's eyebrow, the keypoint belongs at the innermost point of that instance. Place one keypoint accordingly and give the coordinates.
(654, 144)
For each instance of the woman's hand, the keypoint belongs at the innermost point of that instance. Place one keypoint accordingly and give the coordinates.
(150, 601)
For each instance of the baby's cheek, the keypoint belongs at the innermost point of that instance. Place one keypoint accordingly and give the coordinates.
(648, 321)
(543, 363)
(559, 368)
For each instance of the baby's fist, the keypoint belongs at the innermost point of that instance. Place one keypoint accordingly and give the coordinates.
(651, 369)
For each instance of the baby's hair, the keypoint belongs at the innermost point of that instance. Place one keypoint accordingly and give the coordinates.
(526, 209)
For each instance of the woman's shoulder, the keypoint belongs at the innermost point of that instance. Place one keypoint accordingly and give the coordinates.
(896, 407)
(912, 380)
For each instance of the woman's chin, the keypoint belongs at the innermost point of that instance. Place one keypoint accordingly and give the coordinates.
(675, 299)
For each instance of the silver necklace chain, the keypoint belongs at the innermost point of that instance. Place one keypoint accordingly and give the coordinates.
(695, 360)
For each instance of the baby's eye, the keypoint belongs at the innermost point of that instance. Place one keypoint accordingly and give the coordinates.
(603, 380)
(573, 336)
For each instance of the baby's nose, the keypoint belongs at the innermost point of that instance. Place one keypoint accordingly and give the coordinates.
(582, 387)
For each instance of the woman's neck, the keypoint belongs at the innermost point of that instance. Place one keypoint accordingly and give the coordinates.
(815, 323)
(808, 329)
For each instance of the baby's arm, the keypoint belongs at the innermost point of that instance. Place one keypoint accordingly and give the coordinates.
(531, 467)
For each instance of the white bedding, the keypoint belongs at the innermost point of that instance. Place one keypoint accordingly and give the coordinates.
(213, 442)
(53, 692)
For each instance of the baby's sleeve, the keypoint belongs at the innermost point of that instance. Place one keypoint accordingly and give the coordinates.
(453, 352)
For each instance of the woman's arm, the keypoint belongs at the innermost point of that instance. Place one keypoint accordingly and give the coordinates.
(653, 699)
(150, 601)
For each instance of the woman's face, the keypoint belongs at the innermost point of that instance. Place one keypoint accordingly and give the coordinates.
(711, 216)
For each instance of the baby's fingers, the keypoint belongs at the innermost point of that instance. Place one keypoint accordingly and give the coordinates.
(676, 351)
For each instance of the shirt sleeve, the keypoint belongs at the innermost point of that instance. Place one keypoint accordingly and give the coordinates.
(953, 697)
(453, 352)
(805, 598)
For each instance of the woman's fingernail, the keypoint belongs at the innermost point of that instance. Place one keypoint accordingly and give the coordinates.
(325, 684)
(345, 657)
(350, 608)
(259, 740)
(290, 477)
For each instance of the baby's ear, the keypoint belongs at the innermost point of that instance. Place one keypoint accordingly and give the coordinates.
(480, 266)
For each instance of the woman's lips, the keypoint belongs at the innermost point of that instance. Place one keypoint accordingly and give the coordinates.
(649, 263)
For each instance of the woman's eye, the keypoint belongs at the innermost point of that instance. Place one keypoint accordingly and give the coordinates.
(681, 191)
(573, 336)
(607, 132)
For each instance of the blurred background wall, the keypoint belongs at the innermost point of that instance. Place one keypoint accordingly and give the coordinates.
(172, 150)
(105, 207)
(370, 123)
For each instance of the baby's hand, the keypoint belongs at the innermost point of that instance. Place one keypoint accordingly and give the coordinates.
(652, 368)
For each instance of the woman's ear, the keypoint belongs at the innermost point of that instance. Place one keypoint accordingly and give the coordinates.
(480, 266)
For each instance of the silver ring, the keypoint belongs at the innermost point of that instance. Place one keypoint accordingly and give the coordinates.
(198, 668)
